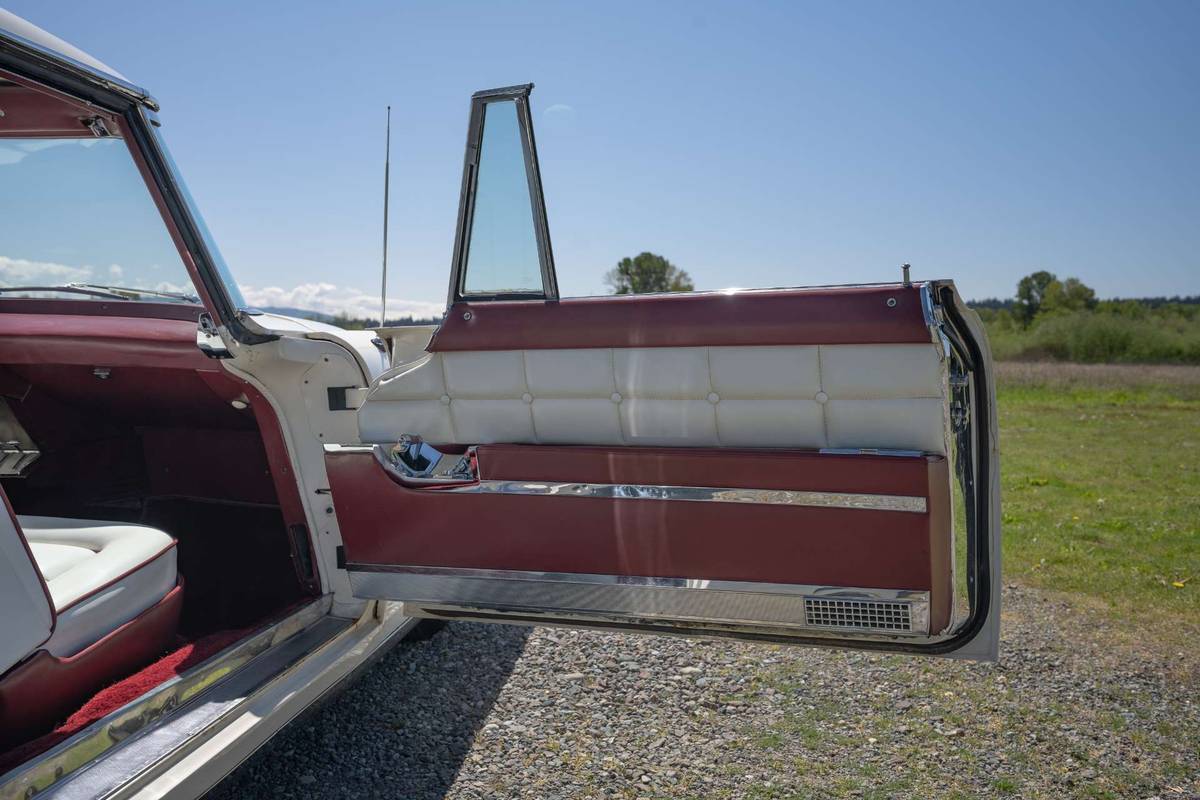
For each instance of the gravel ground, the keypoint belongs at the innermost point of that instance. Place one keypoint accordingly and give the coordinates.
(1071, 710)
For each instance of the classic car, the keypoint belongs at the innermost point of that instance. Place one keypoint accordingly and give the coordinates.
(215, 516)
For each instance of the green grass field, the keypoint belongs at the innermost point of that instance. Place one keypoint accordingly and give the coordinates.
(1100, 471)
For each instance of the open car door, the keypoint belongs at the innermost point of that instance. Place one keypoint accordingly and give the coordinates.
(812, 466)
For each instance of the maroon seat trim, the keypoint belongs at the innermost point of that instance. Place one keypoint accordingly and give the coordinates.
(44, 689)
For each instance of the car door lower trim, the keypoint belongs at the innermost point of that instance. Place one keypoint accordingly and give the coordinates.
(738, 603)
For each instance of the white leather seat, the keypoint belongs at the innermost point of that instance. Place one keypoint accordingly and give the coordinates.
(100, 574)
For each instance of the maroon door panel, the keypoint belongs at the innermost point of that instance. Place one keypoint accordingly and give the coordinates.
(385, 523)
(850, 315)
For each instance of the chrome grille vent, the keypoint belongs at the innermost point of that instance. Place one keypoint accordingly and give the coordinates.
(859, 615)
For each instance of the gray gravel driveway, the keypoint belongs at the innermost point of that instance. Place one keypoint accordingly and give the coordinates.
(497, 711)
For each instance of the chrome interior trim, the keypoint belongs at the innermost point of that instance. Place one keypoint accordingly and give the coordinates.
(772, 497)
(57, 764)
(413, 460)
(455, 469)
(347, 448)
(632, 598)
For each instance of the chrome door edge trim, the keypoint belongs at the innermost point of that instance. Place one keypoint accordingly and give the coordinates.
(64, 759)
(746, 603)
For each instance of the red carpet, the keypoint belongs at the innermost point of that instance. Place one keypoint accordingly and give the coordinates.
(113, 697)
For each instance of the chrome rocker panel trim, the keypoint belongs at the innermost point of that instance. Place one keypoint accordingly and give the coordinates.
(60, 762)
(738, 604)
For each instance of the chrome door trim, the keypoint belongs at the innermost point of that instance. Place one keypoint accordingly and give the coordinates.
(705, 494)
(639, 491)
(745, 604)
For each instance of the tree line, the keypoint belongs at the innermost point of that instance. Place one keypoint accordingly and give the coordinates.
(1046, 318)
(1063, 320)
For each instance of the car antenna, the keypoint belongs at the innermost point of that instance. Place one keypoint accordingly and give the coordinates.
(387, 164)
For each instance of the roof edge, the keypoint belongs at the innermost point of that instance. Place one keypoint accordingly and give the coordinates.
(25, 38)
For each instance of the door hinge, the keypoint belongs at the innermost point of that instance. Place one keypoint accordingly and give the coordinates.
(959, 416)
(340, 555)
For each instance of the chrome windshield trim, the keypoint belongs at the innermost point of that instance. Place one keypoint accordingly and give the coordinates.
(60, 762)
(92, 73)
(703, 494)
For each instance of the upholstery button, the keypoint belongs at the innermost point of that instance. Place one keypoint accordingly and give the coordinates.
(821, 397)
(714, 398)
(616, 397)
(445, 399)
(527, 397)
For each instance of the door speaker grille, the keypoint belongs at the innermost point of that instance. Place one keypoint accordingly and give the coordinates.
(859, 615)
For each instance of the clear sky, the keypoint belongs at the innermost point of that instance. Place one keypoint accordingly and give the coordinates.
(751, 144)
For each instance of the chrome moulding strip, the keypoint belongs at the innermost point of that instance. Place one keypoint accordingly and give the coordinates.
(769, 497)
(832, 609)
(59, 763)
(633, 491)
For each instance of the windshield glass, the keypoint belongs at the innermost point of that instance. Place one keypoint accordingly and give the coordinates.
(77, 222)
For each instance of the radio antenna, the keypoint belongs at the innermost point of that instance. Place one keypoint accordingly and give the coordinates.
(387, 165)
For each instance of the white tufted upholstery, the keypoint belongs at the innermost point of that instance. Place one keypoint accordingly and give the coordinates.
(100, 574)
(879, 396)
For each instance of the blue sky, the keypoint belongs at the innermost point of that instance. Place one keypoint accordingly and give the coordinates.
(752, 144)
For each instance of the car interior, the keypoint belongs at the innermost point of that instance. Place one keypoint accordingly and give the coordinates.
(152, 517)
(146, 501)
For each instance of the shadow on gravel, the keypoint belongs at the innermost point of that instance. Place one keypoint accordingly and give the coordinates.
(402, 730)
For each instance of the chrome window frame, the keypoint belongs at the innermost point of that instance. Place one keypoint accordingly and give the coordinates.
(137, 110)
(519, 95)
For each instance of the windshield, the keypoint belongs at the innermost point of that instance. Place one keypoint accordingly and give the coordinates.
(77, 222)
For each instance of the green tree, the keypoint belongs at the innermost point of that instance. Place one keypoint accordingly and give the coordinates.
(647, 272)
(1069, 295)
(1030, 293)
